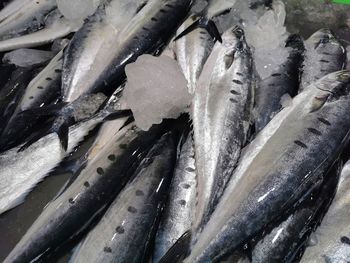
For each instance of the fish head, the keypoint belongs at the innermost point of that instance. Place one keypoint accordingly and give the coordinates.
(322, 37)
(331, 88)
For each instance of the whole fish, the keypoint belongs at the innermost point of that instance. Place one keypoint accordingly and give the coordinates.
(289, 165)
(324, 54)
(96, 186)
(286, 241)
(221, 118)
(332, 236)
(56, 26)
(283, 82)
(12, 92)
(125, 232)
(28, 17)
(179, 210)
(21, 171)
(114, 36)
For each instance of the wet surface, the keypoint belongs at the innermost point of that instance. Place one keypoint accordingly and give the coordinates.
(303, 16)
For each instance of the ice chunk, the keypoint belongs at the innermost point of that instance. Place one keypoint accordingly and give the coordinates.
(268, 38)
(156, 89)
(77, 10)
(26, 57)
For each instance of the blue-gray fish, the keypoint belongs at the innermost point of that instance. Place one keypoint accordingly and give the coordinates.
(221, 113)
(114, 36)
(324, 54)
(21, 171)
(332, 237)
(179, 210)
(283, 82)
(125, 232)
(101, 178)
(287, 167)
(286, 242)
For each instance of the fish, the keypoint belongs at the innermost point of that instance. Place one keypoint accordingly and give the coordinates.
(192, 51)
(11, 93)
(22, 170)
(127, 229)
(332, 236)
(221, 118)
(56, 26)
(27, 17)
(287, 241)
(12, 7)
(42, 90)
(283, 81)
(257, 3)
(143, 27)
(178, 213)
(95, 187)
(324, 54)
(289, 165)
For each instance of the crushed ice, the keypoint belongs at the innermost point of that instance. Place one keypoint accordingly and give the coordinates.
(156, 89)
(77, 10)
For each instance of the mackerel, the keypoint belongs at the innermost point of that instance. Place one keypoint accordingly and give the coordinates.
(324, 54)
(112, 39)
(179, 210)
(283, 82)
(21, 171)
(98, 183)
(126, 231)
(332, 236)
(221, 118)
(284, 171)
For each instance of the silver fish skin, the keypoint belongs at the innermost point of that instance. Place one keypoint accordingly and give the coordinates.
(93, 63)
(287, 241)
(324, 54)
(21, 171)
(28, 18)
(98, 183)
(192, 51)
(289, 165)
(12, 7)
(332, 236)
(179, 210)
(42, 90)
(56, 26)
(221, 118)
(126, 230)
(282, 82)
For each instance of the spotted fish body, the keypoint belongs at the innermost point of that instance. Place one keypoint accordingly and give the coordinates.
(333, 235)
(179, 210)
(42, 90)
(286, 242)
(284, 81)
(26, 17)
(125, 231)
(96, 186)
(288, 166)
(324, 55)
(221, 118)
(96, 57)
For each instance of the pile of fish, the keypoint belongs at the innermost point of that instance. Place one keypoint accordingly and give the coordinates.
(253, 171)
